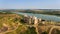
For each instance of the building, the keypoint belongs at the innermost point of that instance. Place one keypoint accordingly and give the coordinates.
(39, 20)
(25, 18)
(30, 19)
(33, 20)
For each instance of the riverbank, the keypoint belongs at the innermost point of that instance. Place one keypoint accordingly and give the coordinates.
(42, 16)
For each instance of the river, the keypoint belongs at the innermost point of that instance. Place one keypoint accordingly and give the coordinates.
(42, 16)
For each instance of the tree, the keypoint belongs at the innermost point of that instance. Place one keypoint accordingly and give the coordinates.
(44, 32)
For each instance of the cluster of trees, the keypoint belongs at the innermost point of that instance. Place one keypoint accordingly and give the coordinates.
(42, 12)
(5, 12)
(50, 12)
(44, 32)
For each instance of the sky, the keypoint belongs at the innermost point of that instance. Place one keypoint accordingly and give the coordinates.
(29, 4)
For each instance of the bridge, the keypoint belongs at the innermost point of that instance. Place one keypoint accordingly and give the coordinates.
(57, 27)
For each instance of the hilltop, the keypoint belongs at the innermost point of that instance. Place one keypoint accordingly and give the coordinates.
(11, 24)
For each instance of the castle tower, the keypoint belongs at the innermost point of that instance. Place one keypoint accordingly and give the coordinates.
(39, 20)
(26, 18)
(30, 19)
(35, 20)
(25, 15)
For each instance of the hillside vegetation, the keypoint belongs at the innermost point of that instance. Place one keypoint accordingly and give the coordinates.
(10, 24)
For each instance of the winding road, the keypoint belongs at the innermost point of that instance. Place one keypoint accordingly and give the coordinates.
(57, 27)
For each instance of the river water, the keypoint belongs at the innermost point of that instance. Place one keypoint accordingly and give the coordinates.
(42, 16)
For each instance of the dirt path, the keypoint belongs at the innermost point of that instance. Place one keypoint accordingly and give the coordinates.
(10, 30)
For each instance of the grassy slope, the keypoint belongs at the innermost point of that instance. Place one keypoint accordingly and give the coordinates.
(9, 19)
